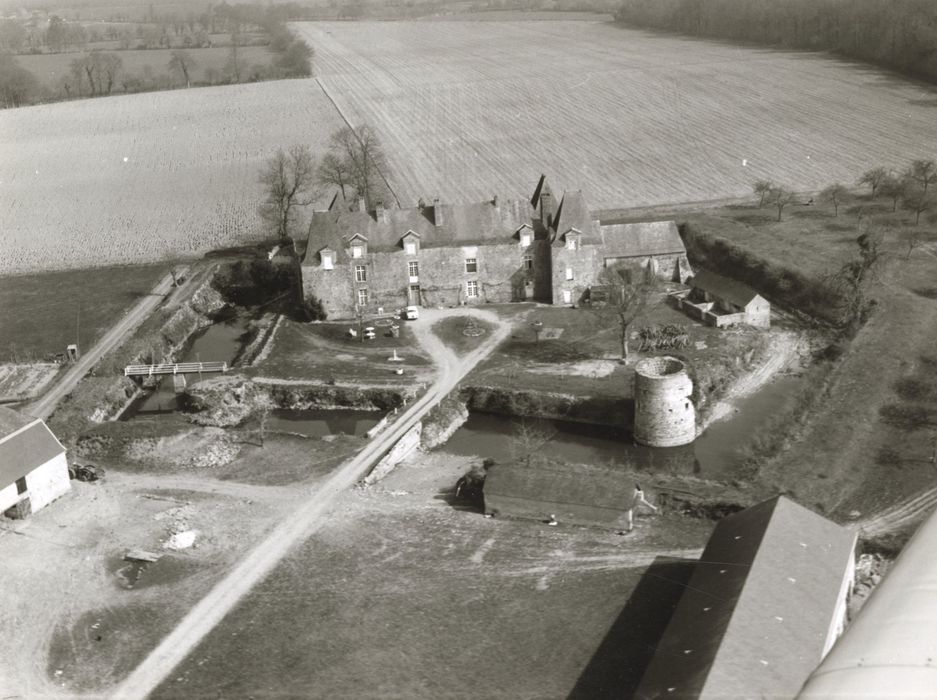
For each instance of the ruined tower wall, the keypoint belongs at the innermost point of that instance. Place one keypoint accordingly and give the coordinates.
(664, 415)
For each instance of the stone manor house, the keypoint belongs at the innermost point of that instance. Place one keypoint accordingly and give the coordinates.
(545, 250)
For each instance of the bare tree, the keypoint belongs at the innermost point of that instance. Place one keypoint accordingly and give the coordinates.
(288, 178)
(918, 202)
(629, 294)
(873, 178)
(923, 172)
(853, 279)
(780, 198)
(894, 188)
(181, 63)
(835, 194)
(762, 188)
(364, 157)
(528, 439)
(334, 170)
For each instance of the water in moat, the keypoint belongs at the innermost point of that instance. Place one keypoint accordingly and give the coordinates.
(716, 454)
(318, 423)
(220, 342)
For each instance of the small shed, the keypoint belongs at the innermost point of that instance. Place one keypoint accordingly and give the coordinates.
(33, 467)
(725, 301)
(599, 497)
(765, 603)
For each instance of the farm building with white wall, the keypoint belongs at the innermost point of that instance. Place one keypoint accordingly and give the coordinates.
(720, 301)
(33, 468)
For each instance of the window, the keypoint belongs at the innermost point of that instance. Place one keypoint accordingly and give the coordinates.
(471, 264)
(569, 273)
(413, 268)
(572, 242)
(363, 297)
(567, 296)
(357, 251)
(21, 485)
(410, 247)
(361, 273)
(471, 289)
(327, 261)
(525, 239)
(528, 262)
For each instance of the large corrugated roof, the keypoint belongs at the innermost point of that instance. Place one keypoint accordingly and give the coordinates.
(640, 239)
(754, 619)
(24, 447)
(723, 287)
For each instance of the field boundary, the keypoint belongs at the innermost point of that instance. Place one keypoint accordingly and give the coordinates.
(347, 121)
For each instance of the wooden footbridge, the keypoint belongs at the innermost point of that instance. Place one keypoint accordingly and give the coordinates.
(174, 368)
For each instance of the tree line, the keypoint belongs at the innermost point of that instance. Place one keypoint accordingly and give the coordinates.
(900, 34)
(914, 189)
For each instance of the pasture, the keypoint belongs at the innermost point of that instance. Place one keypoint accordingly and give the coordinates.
(470, 109)
(210, 62)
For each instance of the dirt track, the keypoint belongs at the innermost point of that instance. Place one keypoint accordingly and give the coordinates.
(43, 408)
(307, 517)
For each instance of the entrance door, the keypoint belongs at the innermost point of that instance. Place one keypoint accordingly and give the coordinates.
(567, 296)
(414, 295)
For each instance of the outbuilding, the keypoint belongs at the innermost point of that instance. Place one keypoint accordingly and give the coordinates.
(720, 301)
(33, 467)
(765, 603)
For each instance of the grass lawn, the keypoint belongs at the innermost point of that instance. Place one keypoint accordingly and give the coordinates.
(42, 313)
(323, 352)
(869, 443)
(462, 333)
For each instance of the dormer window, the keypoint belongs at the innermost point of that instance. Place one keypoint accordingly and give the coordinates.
(525, 238)
(411, 243)
(328, 259)
(359, 246)
(525, 235)
(572, 240)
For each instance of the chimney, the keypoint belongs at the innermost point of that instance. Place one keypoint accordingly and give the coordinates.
(547, 208)
(494, 201)
(437, 213)
(380, 213)
(362, 205)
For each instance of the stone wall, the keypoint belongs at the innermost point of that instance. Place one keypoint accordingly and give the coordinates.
(664, 415)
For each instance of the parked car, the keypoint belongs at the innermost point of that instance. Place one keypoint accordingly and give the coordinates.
(411, 313)
(84, 472)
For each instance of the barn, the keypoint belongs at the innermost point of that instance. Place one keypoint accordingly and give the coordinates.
(33, 468)
(765, 603)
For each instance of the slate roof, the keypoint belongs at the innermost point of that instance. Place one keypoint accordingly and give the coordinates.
(754, 619)
(25, 443)
(460, 224)
(723, 287)
(640, 239)
(573, 213)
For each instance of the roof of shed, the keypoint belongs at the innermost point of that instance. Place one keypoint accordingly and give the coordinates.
(25, 443)
(603, 488)
(755, 616)
(723, 287)
(640, 239)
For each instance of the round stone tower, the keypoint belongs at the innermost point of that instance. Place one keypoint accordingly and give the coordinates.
(664, 415)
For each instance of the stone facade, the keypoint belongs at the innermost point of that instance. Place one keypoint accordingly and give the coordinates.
(664, 415)
(495, 251)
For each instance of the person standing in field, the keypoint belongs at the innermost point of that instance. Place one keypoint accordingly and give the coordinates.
(637, 499)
